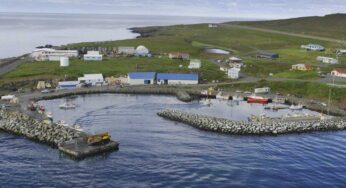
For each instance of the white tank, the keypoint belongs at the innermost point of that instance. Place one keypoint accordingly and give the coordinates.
(64, 62)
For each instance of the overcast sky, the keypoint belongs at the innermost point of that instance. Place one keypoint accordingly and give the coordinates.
(208, 8)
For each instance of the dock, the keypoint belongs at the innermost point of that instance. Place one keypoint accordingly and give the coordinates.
(79, 148)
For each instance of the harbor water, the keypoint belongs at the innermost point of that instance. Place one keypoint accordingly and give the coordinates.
(155, 152)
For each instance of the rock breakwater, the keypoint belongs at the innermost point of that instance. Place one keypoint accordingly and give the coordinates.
(274, 127)
(21, 124)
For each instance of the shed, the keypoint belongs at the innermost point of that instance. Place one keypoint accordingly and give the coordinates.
(313, 47)
(67, 85)
(177, 78)
(267, 55)
(92, 79)
(327, 60)
(141, 78)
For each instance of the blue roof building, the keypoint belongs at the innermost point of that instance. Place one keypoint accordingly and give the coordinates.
(141, 78)
(177, 78)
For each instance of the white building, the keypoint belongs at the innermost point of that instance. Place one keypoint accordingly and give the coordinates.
(233, 73)
(327, 60)
(313, 47)
(142, 51)
(141, 78)
(341, 52)
(93, 56)
(48, 54)
(195, 64)
(262, 90)
(339, 73)
(93, 79)
(126, 50)
(177, 79)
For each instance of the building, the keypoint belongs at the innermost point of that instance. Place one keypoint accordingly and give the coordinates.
(177, 79)
(195, 64)
(224, 68)
(233, 73)
(126, 50)
(92, 79)
(339, 73)
(141, 78)
(313, 47)
(178, 55)
(235, 62)
(327, 60)
(67, 85)
(49, 54)
(142, 51)
(302, 67)
(213, 25)
(64, 62)
(267, 55)
(93, 56)
(340, 52)
(262, 90)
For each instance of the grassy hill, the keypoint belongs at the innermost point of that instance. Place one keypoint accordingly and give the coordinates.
(331, 26)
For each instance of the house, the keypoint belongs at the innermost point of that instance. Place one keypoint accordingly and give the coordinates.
(267, 55)
(126, 50)
(49, 54)
(262, 90)
(177, 79)
(233, 73)
(92, 79)
(213, 25)
(178, 55)
(142, 51)
(313, 47)
(327, 60)
(340, 52)
(302, 67)
(141, 78)
(93, 56)
(67, 85)
(195, 64)
(339, 73)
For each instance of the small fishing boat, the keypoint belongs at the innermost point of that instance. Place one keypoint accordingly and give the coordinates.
(276, 107)
(67, 106)
(296, 107)
(257, 99)
(49, 115)
(77, 127)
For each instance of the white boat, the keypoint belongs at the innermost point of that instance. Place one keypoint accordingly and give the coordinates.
(67, 106)
(298, 107)
(49, 115)
(222, 96)
(62, 123)
(77, 127)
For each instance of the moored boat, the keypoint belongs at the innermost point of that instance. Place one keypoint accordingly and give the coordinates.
(67, 106)
(222, 96)
(296, 107)
(257, 99)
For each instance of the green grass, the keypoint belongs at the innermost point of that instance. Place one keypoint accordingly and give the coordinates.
(304, 75)
(112, 67)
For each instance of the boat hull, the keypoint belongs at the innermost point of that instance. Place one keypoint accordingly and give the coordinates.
(257, 100)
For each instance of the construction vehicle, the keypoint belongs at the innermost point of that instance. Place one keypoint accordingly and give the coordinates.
(98, 139)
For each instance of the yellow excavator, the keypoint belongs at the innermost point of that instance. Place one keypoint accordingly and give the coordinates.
(98, 139)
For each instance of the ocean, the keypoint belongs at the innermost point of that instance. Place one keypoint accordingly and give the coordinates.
(21, 32)
(155, 152)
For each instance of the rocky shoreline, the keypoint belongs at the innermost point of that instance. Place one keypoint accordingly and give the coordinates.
(274, 127)
(23, 125)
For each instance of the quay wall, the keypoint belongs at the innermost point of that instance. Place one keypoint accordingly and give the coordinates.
(274, 127)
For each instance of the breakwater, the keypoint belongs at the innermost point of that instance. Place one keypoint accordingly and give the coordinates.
(274, 127)
(21, 124)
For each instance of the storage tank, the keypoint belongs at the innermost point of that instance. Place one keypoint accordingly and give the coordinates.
(64, 62)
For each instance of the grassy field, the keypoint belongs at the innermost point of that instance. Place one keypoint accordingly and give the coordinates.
(332, 26)
(112, 67)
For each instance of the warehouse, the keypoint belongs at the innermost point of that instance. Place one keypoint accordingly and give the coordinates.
(177, 79)
(141, 78)
(48, 54)
(67, 85)
(93, 56)
(267, 55)
(92, 79)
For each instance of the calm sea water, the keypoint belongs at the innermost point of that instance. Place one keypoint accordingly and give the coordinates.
(155, 152)
(20, 33)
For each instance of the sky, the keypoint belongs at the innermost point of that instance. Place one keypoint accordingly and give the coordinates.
(264, 9)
